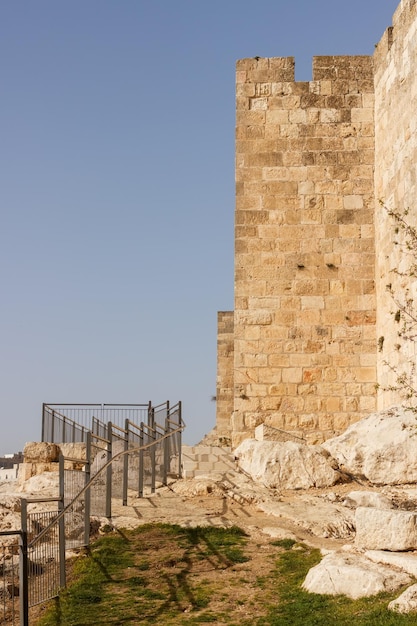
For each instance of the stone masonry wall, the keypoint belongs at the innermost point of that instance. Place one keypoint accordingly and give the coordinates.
(224, 386)
(304, 324)
(395, 185)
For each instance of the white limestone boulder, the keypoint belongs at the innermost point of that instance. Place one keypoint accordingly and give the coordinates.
(378, 529)
(381, 448)
(406, 602)
(354, 576)
(286, 465)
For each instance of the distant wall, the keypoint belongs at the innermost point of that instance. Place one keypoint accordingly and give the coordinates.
(9, 473)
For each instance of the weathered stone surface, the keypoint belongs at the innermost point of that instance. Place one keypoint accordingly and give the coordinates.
(354, 499)
(266, 433)
(378, 529)
(73, 450)
(27, 470)
(45, 484)
(318, 517)
(406, 602)
(352, 575)
(406, 561)
(287, 465)
(381, 448)
(43, 452)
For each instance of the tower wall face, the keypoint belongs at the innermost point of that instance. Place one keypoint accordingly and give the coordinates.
(318, 287)
(304, 321)
(396, 186)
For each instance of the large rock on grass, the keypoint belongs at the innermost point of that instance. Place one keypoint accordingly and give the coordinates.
(286, 465)
(381, 448)
(354, 576)
(406, 602)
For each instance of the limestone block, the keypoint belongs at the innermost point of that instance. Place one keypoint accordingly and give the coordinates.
(25, 472)
(36, 452)
(253, 317)
(378, 529)
(286, 465)
(353, 576)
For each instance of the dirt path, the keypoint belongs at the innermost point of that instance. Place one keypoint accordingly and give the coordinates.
(301, 516)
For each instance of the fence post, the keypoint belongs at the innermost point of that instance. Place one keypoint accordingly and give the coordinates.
(23, 566)
(125, 463)
(61, 523)
(180, 440)
(140, 477)
(152, 450)
(87, 499)
(166, 444)
(52, 427)
(109, 469)
(43, 422)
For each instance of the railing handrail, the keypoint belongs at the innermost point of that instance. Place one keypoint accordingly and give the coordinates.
(52, 404)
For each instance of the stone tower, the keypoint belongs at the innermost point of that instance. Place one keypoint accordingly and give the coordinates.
(302, 351)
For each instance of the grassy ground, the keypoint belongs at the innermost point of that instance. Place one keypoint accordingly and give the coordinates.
(162, 574)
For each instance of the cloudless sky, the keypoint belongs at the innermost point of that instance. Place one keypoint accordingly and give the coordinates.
(117, 190)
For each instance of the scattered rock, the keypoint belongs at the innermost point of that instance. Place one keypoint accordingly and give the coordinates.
(372, 499)
(352, 575)
(406, 602)
(278, 533)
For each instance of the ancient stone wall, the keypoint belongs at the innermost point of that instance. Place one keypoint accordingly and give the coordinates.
(224, 385)
(396, 186)
(305, 355)
(316, 330)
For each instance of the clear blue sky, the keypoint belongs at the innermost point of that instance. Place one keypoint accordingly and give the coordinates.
(117, 190)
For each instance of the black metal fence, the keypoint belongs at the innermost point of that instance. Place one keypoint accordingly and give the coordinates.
(11, 552)
(64, 423)
(114, 459)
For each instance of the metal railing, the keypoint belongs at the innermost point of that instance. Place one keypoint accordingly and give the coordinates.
(64, 423)
(117, 458)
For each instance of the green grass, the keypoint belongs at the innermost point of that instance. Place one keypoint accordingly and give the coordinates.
(174, 576)
(300, 607)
